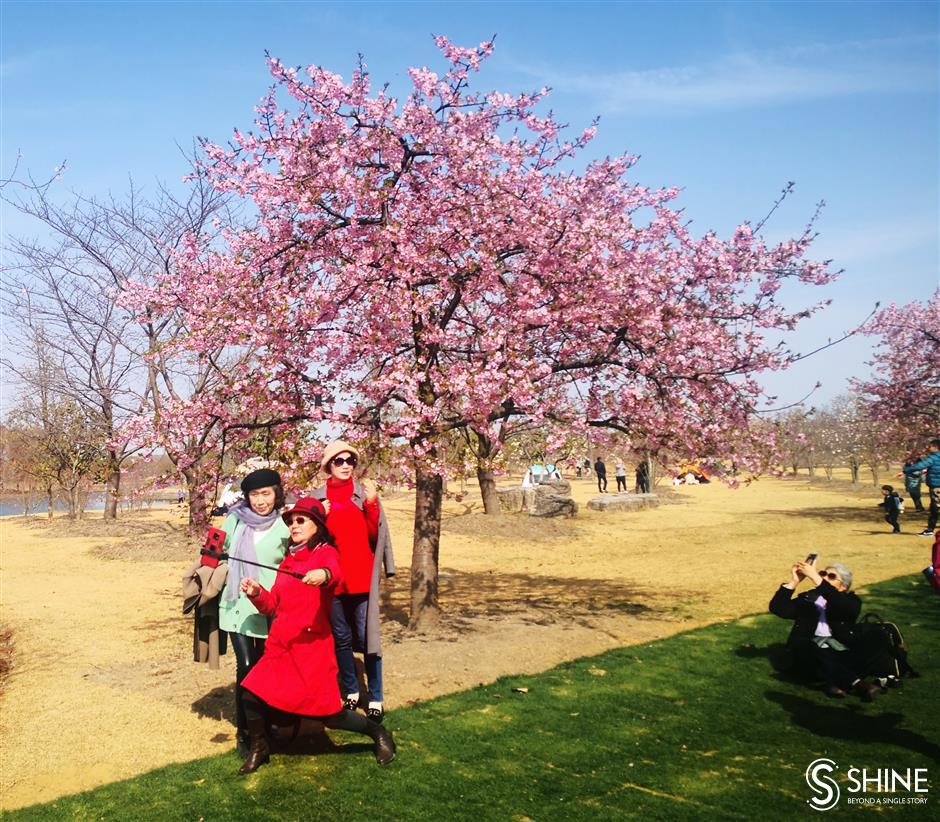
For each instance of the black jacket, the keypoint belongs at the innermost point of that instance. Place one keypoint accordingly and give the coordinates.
(842, 609)
(892, 503)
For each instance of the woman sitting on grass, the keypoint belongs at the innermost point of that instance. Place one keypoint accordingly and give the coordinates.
(822, 622)
(298, 673)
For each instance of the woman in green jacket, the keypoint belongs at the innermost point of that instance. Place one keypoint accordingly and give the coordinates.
(254, 531)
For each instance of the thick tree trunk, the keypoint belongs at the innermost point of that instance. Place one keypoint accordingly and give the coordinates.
(50, 500)
(425, 611)
(485, 450)
(488, 490)
(854, 466)
(71, 500)
(875, 474)
(198, 506)
(112, 486)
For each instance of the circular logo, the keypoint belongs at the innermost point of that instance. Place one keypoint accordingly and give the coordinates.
(820, 780)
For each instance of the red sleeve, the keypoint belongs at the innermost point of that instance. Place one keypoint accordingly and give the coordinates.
(371, 511)
(265, 602)
(330, 561)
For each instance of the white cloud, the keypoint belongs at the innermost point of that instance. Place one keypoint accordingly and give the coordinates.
(806, 72)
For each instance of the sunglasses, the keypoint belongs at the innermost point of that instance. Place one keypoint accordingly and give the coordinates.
(298, 519)
(830, 575)
(338, 461)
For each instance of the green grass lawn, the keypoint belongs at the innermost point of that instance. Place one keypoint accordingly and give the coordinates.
(698, 726)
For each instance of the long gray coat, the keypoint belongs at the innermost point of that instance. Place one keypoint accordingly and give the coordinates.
(382, 556)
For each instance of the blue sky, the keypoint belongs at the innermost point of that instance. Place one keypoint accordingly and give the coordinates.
(727, 100)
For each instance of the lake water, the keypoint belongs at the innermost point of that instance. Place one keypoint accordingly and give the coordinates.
(15, 508)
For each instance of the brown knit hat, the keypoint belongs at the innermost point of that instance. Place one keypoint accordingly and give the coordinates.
(334, 448)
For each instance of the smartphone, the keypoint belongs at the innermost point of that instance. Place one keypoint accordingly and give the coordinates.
(811, 558)
(215, 544)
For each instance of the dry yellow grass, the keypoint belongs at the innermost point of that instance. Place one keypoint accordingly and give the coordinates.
(103, 686)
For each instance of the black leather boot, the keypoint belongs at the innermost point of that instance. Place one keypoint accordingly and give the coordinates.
(260, 752)
(242, 742)
(384, 744)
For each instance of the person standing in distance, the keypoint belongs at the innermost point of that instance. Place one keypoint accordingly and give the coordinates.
(601, 471)
(930, 464)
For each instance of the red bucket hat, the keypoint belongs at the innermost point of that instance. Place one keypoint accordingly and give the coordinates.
(307, 505)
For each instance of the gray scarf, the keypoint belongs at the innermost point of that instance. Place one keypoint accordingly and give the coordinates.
(243, 546)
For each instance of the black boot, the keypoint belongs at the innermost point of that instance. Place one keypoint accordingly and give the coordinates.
(384, 744)
(352, 721)
(260, 752)
(242, 742)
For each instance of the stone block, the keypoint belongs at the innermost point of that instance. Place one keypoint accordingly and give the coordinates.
(511, 500)
(623, 502)
(552, 505)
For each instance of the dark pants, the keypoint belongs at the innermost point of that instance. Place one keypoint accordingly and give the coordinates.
(621, 483)
(257, 709)
(915, 498)
(934, 508)
(892, 519)
(836, 668)
(601, 483)
(248, 651)
(348, 619)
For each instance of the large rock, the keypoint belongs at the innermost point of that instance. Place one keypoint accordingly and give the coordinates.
(547, 499)
(555, 486)
(547, 504)
(511, 500)
(623, 502)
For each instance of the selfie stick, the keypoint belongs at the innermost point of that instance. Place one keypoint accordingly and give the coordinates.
(223, 556)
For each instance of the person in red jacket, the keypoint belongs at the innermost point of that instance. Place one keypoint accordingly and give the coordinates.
(297, 674)
(356, 520)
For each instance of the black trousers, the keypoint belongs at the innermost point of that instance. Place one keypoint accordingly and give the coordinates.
(838, 668)
(602, 478)
(256, 709)
(621, 483)
(248, 650)
(934, 511)
(892, 519)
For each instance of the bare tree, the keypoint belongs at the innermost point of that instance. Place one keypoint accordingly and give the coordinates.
(113, 363)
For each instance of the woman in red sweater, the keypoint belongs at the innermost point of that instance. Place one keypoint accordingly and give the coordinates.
(297, 673)
(357, 522)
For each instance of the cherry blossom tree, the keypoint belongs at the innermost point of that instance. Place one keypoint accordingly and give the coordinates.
(904, 391)
(442, 263)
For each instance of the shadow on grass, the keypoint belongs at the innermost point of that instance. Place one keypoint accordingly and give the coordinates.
(833, 513)
(777, 653)
(218, 704)
(850, 722)
(535, 599)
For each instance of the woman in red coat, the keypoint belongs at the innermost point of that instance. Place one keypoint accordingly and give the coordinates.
(358, 524)
(297, 673)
